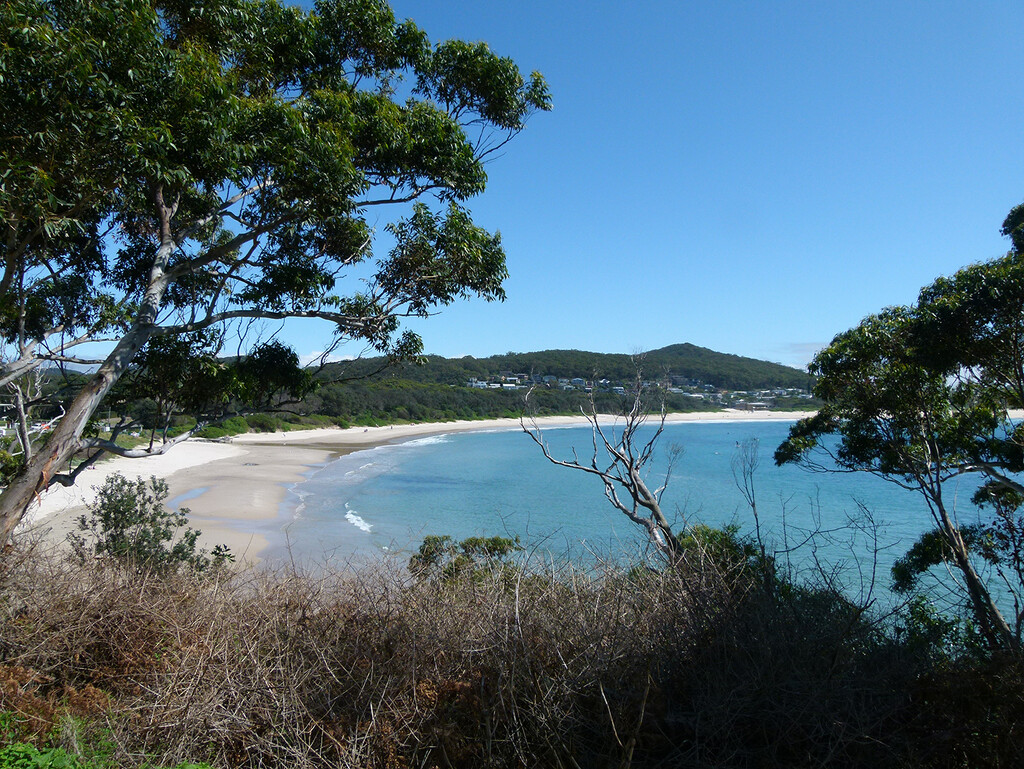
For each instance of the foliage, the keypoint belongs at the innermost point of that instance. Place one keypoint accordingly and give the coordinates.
(231, 426)
(129, 523)
(263, 423)
(998, 542)
(434, 389)
(176, 172)
(682, 360)
(21, 755)
(730, 552)
(9, 466)
(939, 638)
(185, 374)
(922, 395)
(933, 549)
(584, 667)
(401, 400)
(180, 373)
(268, 370)
(439, 557)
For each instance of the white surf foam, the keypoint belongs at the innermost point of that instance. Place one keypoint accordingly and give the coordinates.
(428, 440)
(357, 521)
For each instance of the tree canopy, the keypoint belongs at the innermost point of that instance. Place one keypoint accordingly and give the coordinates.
(169, 168)
(924, 395)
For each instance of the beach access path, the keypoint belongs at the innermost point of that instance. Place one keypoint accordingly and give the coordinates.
(235, 489)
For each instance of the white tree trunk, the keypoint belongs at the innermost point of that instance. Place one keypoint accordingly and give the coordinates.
(38, 472)
(64, 441)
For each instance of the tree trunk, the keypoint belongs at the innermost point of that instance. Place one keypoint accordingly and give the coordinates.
(36, 475)
(991, 621)
(23, 438)
(63, 442)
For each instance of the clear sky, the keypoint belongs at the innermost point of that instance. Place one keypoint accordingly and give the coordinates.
(753, 177)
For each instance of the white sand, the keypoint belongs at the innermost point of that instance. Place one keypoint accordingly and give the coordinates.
(58, 498)
(361, 437)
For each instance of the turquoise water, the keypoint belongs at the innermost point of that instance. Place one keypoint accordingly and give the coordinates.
(485, 483)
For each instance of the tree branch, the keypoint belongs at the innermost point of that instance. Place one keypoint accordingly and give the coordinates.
(624, 472)
(121, 451)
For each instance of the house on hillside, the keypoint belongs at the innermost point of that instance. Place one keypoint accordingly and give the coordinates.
(752, 405)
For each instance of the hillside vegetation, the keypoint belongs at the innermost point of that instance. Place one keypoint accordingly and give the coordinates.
(374, 391)
(720, 370)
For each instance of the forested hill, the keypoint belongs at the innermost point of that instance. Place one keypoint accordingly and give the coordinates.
(731, 372)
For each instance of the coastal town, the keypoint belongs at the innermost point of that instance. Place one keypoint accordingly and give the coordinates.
(707, 395)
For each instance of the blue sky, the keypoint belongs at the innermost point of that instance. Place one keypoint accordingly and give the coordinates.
(753, 177)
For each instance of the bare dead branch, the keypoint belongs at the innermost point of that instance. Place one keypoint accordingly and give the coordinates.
(621, 462)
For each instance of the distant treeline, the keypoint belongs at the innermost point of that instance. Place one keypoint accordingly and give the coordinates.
(731, 372)
(370, 391)
(393, 400)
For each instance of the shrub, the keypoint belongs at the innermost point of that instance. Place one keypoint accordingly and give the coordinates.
(22, 756)
(236, 425)
(128, 522)
(588, 668)
(263, 423)
(9, 466)
(369, 669)
(440, 557)
(232, 426)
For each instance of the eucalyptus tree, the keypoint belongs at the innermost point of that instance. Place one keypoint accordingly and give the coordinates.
(168, 167)
(925, 395)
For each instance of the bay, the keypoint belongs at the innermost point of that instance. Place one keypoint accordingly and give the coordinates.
(388, 498)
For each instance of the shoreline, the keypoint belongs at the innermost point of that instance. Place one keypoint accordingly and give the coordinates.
(356, 438)
(236, 491)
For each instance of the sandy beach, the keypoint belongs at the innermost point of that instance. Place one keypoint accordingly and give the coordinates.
(235, 490)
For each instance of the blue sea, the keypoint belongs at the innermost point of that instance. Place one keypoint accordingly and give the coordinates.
(388, 498)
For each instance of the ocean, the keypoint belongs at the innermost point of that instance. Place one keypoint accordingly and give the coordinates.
(388, 498)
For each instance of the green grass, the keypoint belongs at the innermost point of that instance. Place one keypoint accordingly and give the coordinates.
(21, 755)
